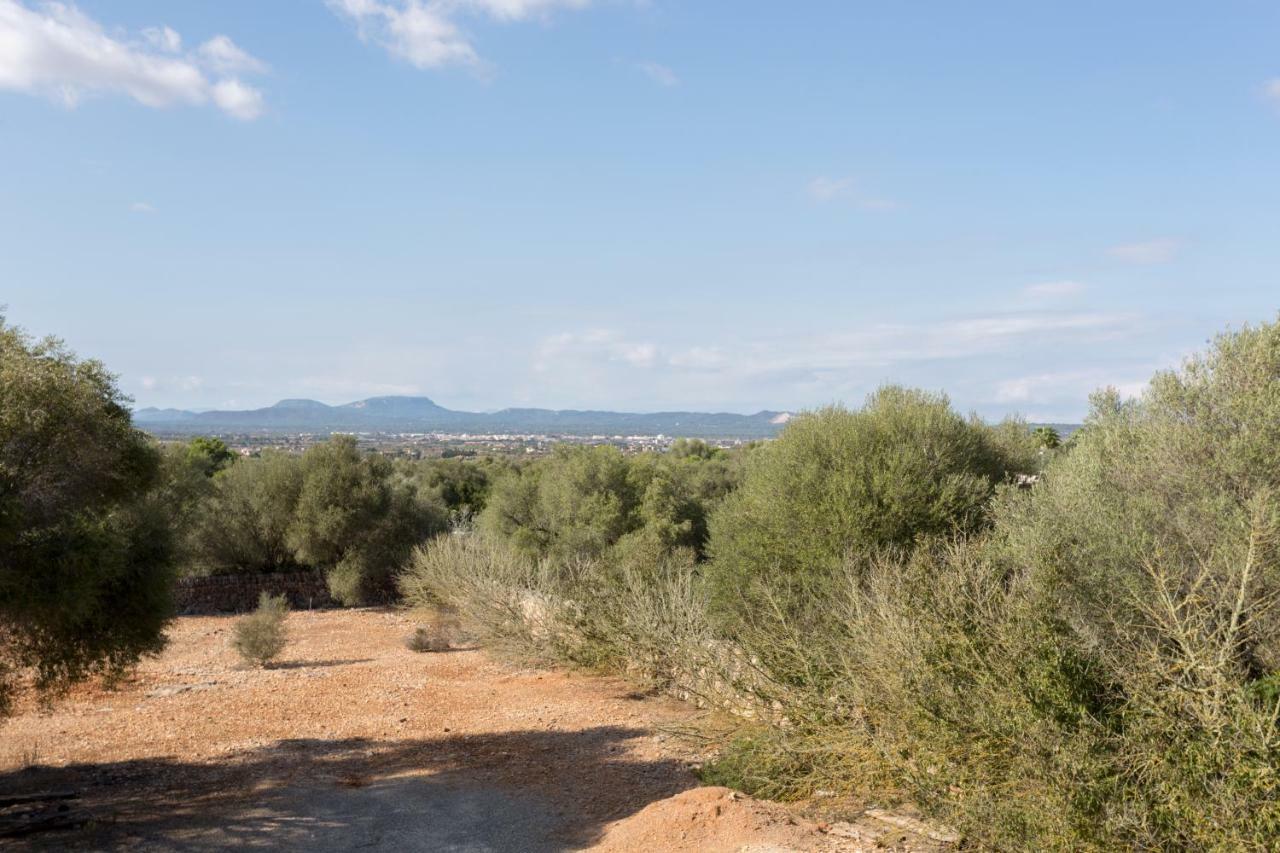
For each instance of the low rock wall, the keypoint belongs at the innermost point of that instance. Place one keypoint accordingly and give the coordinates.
(239, 593)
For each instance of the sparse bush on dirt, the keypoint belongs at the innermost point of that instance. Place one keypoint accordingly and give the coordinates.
(427, 639)
(438, 634)
(261, 636)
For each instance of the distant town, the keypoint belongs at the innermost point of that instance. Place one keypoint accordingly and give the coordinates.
(425, 445)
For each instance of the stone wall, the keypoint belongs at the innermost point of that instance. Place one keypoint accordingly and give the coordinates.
(239, 593)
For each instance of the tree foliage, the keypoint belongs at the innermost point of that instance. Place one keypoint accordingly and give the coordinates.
(85, 548)
(840, 482)
(243, 525)
(334, 509)
(355, 520)
(597, 502)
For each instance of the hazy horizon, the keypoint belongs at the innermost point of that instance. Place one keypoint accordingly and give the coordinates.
(637, 206)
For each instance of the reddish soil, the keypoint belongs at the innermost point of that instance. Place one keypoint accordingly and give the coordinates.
(352, 740)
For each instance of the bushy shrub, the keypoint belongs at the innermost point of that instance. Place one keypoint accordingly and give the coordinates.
(680, 490)
(86, 543)
(1095, 672)
(500, 592)
(836, 482)
(647, 619)
(437, 636)
(575, 503)
(334, 508)
(460, 483)
(353, 519)
(1156, 541)
(261, 636)
(1088, 664)
(583, 502)
(243, 526)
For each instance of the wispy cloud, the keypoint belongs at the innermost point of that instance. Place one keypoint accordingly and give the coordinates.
(1272, 90)
(593, 345)
(825, 189)
(426, 34)
(179, 384)
(1053, 289)
(658, 73)
(1068, 386)
(60, 52)
(163, 38)
(1150, 252)
(630, 369)
(340, 388)
(142, 207)
(871, 346)
(223, 55)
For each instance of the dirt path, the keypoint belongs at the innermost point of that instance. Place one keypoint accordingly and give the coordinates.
(355, 742)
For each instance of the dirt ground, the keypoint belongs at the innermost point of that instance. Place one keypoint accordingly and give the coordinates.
(352, 741)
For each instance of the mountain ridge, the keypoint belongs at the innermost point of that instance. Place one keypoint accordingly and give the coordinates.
(422, 414)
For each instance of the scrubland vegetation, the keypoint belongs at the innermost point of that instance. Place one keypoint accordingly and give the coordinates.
(261, 636)
(884, 597)
(1087, 663)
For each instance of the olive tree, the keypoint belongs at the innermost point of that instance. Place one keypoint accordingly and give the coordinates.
(839, 482)
(85, 547)
(356, 521)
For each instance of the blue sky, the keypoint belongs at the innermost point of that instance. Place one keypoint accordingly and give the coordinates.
(638, 205)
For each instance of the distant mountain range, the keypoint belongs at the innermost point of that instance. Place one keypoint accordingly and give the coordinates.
(420, 414)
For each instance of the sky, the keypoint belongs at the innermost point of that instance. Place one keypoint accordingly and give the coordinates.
(638, 204)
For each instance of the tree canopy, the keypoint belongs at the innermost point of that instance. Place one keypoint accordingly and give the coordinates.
(85, 549)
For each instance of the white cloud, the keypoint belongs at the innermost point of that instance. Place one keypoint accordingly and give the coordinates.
(1272, 89)
(1071, 385)
(518, 10)
(596, 345)
(237, 99)
(163, 38)
(1150, 252)
(1053, 289)
(224, 56)
(420, 34)
(825, 189)
(872, 346)
(142, 207)
(617, 368)
(62, 53)
(171, 384)
(887, 343)
(425, 33)
(658, 73)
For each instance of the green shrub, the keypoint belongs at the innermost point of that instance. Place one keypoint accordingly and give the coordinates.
(243, 525)
(1156, 542)
(261, 636)
(838, 482)
(575, 503)
(647, 619)
(1089, 664)
(86, 536)
(354, 519)
(1098, 673)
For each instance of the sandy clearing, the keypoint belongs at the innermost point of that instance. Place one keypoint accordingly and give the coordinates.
(354, 742)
